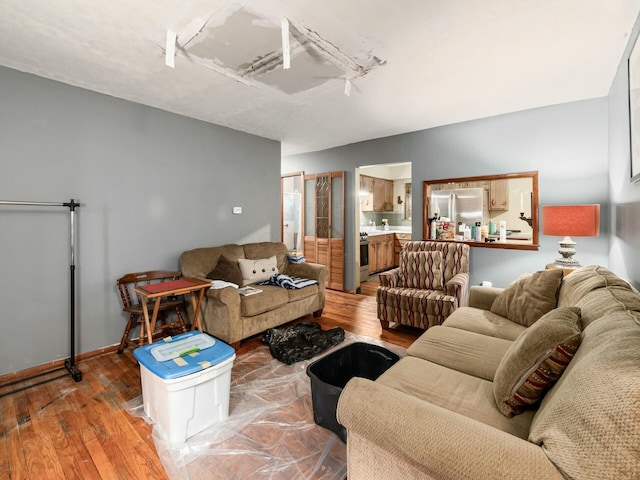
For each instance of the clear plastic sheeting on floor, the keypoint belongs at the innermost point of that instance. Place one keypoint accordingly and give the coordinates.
(270, 432)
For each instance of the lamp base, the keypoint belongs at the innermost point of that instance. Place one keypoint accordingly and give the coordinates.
(567, 251)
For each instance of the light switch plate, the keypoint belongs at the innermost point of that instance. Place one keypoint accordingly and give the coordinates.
(237, 210)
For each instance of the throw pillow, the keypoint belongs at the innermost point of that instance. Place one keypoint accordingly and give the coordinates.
(529, 297)
(423, 270)
(536, 359)
(254, 271)
(226, 270)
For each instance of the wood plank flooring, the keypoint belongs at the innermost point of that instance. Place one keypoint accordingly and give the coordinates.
(67, 430)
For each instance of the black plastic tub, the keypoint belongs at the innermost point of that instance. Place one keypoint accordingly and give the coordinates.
(331, 373)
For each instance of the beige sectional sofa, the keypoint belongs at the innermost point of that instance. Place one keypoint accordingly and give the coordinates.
(435, 413)
(232, 317)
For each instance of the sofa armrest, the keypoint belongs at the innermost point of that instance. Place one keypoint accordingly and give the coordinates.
(439, 442)
(483, 297)
(458, 287)
(221, 314)
(390, 278)
(313, 271)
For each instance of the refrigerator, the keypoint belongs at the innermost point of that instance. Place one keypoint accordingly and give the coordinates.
(461, 205)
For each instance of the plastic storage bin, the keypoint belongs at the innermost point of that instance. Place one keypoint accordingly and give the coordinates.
(331, 373)
(187, 394)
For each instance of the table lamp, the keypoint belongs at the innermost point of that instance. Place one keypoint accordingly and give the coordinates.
(570, 221)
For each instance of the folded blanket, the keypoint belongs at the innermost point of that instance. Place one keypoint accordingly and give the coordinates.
(294, 259)
(286, 281)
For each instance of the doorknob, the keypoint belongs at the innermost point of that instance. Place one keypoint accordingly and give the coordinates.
(285, 225)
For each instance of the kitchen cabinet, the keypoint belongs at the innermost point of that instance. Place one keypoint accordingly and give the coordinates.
(366, 193)
(381, 250)
(498, 195)
(376, 194)
(399, 241)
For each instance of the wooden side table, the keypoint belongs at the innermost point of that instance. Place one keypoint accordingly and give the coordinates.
(565, 270)
(156, 291)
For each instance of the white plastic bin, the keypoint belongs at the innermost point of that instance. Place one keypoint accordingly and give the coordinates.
(186, 395)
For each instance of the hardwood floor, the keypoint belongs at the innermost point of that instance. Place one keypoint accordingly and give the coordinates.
(67, 430)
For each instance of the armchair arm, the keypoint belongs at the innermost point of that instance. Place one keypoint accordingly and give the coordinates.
(390, 278)
(433, 440)
(458, 287)
(482, 297)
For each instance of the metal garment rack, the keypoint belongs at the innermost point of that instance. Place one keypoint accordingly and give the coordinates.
(70, 363)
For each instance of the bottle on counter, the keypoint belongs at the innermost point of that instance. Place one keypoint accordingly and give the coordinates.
(478, 232)
(503, 231)
(484, 233)
(433, 232)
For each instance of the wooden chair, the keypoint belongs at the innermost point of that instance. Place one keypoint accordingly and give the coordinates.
(131, 305)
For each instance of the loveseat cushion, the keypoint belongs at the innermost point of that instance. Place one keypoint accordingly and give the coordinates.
(529, 297)
(456, 391)
(467, 352)
(485, 322)
(536, 360)
(269, 299)
(589, 423)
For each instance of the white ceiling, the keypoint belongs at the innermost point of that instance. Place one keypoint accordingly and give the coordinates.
(413, 64)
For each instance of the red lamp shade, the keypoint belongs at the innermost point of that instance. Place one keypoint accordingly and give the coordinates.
(571, 220)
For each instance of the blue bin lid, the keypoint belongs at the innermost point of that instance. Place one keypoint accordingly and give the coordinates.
(186, 365)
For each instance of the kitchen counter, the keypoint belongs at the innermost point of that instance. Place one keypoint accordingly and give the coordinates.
(373, 233)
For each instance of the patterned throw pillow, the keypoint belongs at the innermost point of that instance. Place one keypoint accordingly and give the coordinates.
(536, 360)
(529, 297)
(422, 270)
(254, 271)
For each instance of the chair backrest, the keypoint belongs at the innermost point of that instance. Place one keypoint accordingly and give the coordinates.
(127, 282)
(455, 255)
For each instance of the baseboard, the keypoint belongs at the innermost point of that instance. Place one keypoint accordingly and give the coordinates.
(13, 377)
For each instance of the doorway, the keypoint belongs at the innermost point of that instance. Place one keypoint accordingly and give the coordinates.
(291, 211)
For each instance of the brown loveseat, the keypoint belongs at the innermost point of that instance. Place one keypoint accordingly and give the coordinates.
(232, 317)
(436, 413)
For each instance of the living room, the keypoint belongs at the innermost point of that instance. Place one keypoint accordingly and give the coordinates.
(152, 184)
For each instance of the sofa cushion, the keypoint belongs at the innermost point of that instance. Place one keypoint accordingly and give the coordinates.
(269, 299)
(415, 307)
(529, 297)
(456, 391)
(422, 270)
(485, 322)
(536, 360)
(468, 352)
(589, 423)
(257, 270)
(584, 280)
(226, 270)
(296, 294)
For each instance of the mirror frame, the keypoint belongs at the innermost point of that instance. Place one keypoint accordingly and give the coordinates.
(535, 225)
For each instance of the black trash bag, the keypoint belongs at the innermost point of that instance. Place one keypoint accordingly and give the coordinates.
(301, 342)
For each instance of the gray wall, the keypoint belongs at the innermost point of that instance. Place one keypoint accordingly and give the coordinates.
(151, 185)
(566, 144)
(624, 245)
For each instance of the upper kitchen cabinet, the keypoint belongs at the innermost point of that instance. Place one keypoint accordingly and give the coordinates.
(498, 195)
(376, 194)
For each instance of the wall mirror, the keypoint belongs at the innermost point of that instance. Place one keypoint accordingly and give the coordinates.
(493, 211)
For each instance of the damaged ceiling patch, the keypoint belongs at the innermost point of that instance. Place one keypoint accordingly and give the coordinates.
(254, 49)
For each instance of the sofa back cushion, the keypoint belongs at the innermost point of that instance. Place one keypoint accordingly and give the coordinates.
(422, 270)
(227, 270)
(589, 423)
(529, 297)
(584, 280)
(455, 256)
(200, 261)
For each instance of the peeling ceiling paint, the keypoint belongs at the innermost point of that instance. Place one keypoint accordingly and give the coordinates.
(414, 64)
